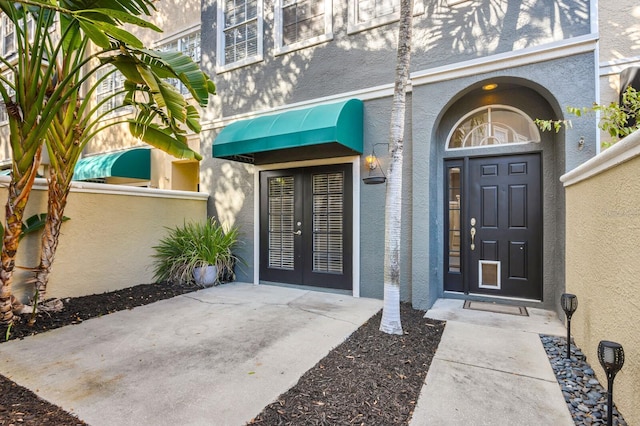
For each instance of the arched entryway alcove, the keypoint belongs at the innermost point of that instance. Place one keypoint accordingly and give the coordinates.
(498, 197)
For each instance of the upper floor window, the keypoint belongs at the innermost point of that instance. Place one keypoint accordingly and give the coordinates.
(493, 125)
(4, 115)
(368, 10)
(302, 23)
(239, 33)
(109, 93)
(364, 14)
(189, 45)
(8, 36)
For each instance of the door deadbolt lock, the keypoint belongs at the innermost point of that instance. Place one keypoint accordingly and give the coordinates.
(473, 221)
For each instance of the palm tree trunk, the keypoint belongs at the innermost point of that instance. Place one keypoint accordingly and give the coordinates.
(64, 139)
(57, 201)
(19, 191)
(393, 212)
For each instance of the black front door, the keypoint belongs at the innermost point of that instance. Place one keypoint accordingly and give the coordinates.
(305, 226)
(493, 223)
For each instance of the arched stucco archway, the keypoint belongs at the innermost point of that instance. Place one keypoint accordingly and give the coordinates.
(536, 102)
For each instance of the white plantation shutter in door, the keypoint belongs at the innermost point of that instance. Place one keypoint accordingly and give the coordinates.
(328, 196)
(281, 217)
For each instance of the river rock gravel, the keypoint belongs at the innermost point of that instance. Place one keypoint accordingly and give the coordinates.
(585, 396)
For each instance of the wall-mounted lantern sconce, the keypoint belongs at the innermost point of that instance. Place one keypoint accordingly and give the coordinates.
(611, 357)
(373, 163)
(569, 303)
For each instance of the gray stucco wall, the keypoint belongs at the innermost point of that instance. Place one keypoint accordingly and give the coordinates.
(442, 35)
(354, 62)
(446, 35)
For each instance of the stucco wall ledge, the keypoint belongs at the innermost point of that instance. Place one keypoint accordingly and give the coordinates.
(622, 151)
(104, 188)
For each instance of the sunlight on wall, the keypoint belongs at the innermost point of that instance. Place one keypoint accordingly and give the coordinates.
(114, 138)
(228, 195)
(619, 29)
(229, 184)
(633, 33)
(169, 21)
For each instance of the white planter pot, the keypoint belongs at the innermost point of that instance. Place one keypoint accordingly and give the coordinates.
(206, 276)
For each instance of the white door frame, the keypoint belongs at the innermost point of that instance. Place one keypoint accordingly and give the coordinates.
(355, 162)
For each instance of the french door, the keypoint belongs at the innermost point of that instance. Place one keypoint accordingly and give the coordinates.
(306, 226)
(493, 226)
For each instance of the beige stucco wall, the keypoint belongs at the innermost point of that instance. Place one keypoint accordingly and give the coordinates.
(603, 262)
(107, 244)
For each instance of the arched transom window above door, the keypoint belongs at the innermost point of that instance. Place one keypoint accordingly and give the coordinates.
(493, 125)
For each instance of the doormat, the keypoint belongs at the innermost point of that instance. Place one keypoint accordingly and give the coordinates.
(496, 308)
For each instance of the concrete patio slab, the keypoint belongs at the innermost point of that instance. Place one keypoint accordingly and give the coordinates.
(217, 356)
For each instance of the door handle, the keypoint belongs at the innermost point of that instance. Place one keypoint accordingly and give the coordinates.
(473, 238)
(298, 232)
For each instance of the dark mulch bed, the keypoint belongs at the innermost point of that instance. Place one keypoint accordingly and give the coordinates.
(20, 406)
(371, 378)
(79, 309)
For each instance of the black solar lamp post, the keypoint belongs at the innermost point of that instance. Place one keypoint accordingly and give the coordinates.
(569, 303)
(611, 357)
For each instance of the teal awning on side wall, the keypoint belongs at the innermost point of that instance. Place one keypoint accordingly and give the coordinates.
(338, 124)
(133, 163)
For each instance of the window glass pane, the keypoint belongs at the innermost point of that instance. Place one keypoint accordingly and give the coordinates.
(190, 46)
(241, 30)
(302, 20)
(493, 125)
(454, 219)
(368, 10)
(107, 92)
(4, 116)
(252, 9)
(8, 38)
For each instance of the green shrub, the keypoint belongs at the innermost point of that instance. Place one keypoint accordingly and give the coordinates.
(618, 120)
(193, 245)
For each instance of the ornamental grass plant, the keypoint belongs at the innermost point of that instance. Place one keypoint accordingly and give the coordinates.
(195, 245)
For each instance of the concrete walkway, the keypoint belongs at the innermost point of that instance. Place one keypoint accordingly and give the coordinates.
(491, 369)
(214, 357)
